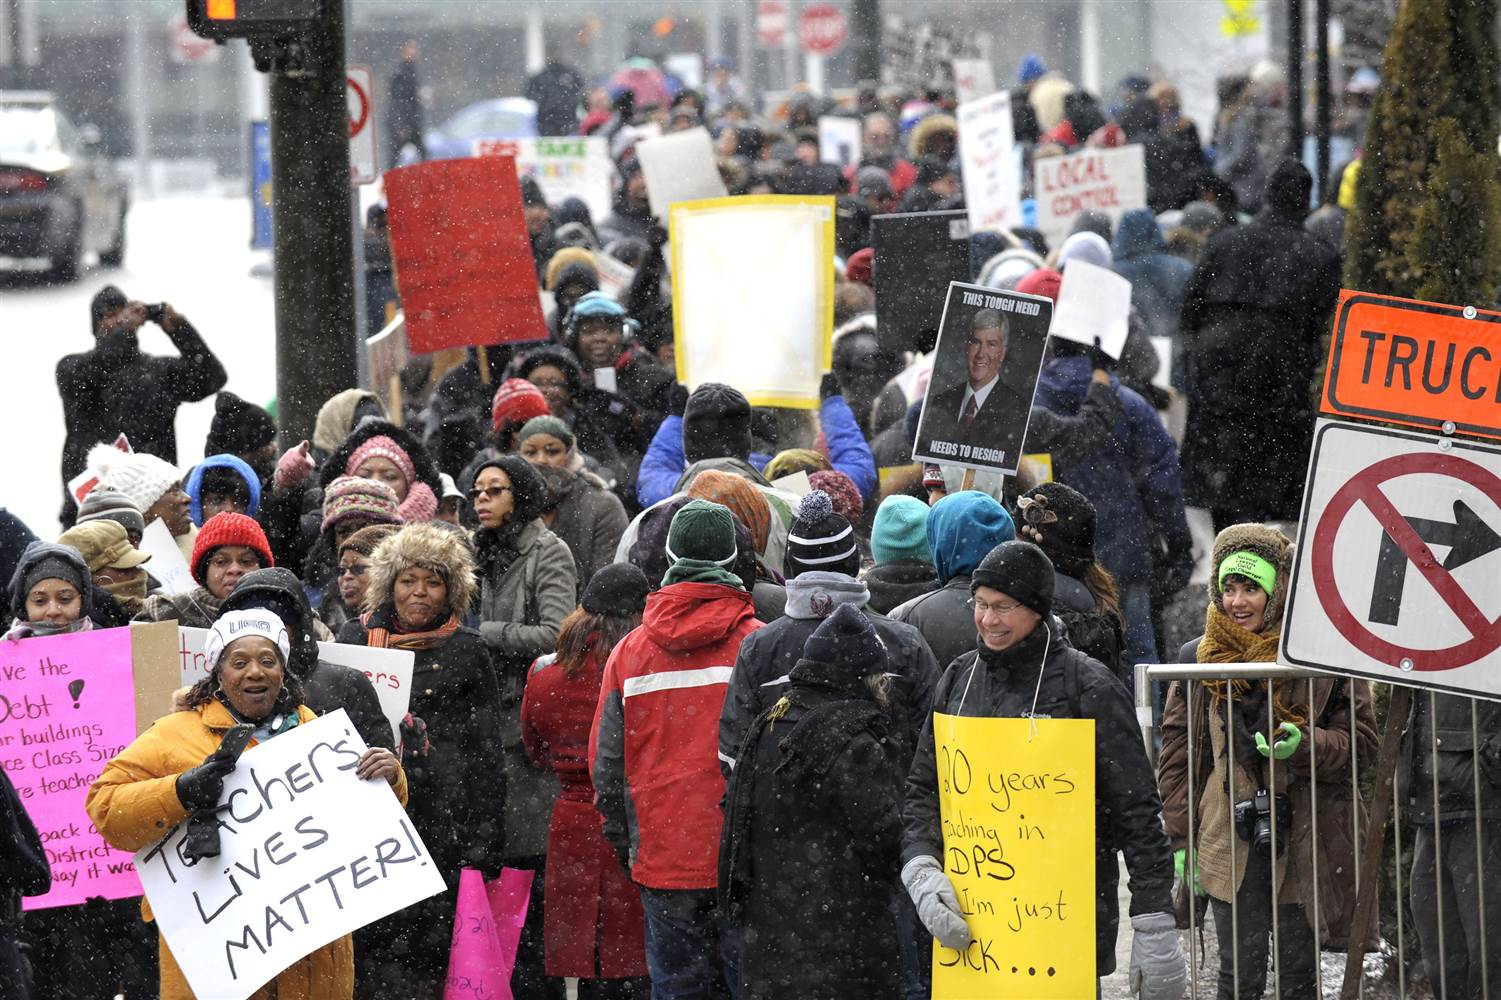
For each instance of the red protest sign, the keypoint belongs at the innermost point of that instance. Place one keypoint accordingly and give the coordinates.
(461, 253)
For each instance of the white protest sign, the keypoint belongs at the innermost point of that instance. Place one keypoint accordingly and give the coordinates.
(1094, 307)
(1112, 181)
(839, 140)
(564, 167)
(167, 563)
(992, 186)
(308, 853)
(973, 79)
(389, 670)
(615, 276)
(797, 483)
(679, 167)
(766, 330)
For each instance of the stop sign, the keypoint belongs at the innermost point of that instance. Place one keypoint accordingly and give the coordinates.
(822, 29)
(771, 23)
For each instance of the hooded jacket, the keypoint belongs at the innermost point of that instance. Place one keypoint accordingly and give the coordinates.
(194, 486)
(764, 665)
(586, 516)
(1157, 278)
(34, 553)
(652, 746)
(1128, 813)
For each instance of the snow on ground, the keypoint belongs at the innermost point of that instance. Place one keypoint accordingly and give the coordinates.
(190, 251)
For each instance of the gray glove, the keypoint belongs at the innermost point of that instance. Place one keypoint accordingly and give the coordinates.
(1158, 969)
(937, 906)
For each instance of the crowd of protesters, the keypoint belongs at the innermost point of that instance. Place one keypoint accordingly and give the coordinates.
(694, 691)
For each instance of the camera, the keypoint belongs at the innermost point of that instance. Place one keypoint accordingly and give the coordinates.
(1253, 820)
(154, 312)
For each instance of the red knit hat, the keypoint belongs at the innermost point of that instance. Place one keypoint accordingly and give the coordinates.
(228, 528)
(860, 266)
(516, 402)
(1043, 281)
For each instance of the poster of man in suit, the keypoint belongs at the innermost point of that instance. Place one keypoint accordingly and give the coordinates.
(985, 370)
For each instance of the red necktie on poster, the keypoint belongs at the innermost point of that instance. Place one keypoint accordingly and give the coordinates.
(968, 416)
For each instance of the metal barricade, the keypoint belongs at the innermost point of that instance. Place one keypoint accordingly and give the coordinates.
(1148, 678)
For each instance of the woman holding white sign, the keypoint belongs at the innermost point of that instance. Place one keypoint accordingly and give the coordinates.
(175, 771)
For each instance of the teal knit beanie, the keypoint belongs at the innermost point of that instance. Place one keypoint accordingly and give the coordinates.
(900, 531)
(703, 531)
(546, 425)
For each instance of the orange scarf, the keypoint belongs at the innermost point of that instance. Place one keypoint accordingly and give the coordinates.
(383, 638)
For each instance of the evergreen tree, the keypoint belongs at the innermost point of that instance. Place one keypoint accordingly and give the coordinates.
(1456, 241)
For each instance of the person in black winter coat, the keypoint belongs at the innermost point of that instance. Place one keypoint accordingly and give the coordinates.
(811, 832)
(1022, 665)
(114, 388)
(1254, 315)
(23, 872)
(326, 687)
(558, 90)
(404, 107)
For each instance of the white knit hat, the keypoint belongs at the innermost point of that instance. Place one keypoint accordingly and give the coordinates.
(235, 625)
(142, 478)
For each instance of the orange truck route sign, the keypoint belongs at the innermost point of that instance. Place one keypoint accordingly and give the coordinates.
(1419, 363)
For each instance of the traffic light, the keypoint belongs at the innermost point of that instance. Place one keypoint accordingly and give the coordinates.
(221, 19)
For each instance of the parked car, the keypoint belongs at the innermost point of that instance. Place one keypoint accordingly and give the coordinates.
(60, 198)
(501, 118)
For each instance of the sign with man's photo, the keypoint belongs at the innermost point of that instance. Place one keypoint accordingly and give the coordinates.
(985, 370)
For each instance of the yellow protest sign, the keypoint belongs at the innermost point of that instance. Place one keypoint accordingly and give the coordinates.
(1018, 811)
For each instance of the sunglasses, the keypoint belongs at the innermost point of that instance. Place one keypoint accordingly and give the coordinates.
(490, 491)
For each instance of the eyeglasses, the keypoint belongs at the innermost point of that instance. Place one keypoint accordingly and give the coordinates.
(1000, 607)
(359, 569)
(489, 491)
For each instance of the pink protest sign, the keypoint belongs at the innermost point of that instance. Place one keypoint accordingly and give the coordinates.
(67, 705)
(486, 931)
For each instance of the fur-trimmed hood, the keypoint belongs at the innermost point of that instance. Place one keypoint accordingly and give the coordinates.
(427, 469)
(432, 547)
(926, 130)
(1266, 542)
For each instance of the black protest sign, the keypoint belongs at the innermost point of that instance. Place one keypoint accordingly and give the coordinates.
(916, 256)
(985, 371)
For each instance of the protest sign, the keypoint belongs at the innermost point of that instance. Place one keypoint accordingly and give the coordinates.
(486, 932)
(767, 330)
(973, 80)
(839, 140)
(564, 167)
(1094, 307)
(389, 670)
(916, 256)
(679, 167)
(168, 564)
(1112, 181)
(69, 707)
(985, 372)
(615, 276)
(461, 253)
(987, 156)
(308, 853)
(1017, 801)
(154, 656)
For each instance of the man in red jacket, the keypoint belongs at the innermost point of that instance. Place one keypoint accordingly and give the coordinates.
(654, 754)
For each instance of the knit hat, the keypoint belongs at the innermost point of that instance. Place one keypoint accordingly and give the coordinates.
(381, 446)
(860, 268)
(1021, 571)
(962, 528)
(791, 461)
(228, 528)
(367, 538)
(233, 626)
(105, 301)
(848, 503)
(716, 423)
(702, 531)
(516, 402)
(900, 530)
(1289, 188)
(103, 545)
(820, 539)
(618, 590)
(1061, 520)
(1266, 544)
(352, 497)
(546, 425)
(109, 503)
(531, 192)
(1091, 248)
(238, 427)
(141, 477)
(47, 561)
(1030, 68)
(563, 258)
(1044, 281)
(741, 496)
(230, 463)
(847, 639)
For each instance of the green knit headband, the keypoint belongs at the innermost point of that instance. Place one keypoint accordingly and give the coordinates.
(1251, 566)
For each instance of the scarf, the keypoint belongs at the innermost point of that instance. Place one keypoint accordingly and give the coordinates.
(701, 571)
(29, 630)
(1226, 642)
(379, 625)
(131, 594)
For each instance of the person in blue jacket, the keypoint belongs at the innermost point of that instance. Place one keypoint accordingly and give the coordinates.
(1134, 483)
(714, 431)
(1158, 279)
(220, 483)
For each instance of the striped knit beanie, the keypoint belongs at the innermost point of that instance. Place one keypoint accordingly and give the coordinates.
(351, 497)
(820, 540)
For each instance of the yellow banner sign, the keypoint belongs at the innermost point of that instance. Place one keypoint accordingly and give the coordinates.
(1018, 809)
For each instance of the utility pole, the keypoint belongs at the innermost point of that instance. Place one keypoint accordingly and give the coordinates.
(314, 254)
(865, 30)
(1295, 79)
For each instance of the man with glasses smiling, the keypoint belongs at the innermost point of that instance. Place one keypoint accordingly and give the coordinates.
(983, 410)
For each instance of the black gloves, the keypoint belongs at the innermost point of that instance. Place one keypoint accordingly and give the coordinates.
(201, 787)
(829, 387)
(677, 399)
